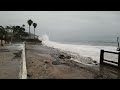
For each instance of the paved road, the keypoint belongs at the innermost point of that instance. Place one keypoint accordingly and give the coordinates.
(9, 62)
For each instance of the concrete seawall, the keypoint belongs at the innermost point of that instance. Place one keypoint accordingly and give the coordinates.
(23, 71)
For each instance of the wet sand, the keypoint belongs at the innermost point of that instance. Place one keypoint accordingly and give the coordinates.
(47, 63)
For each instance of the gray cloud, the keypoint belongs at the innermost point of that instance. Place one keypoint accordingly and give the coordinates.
(68, 24)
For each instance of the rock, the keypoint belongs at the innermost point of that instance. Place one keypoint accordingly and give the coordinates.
(18, 54)
(95, 62)
(89, 63)
(68, 57)
(62, 57)
(28, 75)
(47, 61)
(56, 62)
(99, 76)
(89, 58)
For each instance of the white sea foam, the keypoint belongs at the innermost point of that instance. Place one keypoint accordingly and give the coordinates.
(44, 38)
(80, 50)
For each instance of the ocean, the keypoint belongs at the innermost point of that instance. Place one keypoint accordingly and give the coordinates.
(84, 48)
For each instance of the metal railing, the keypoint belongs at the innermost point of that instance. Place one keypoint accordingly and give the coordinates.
(102, 58)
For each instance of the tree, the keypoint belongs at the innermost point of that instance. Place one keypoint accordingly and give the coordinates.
(19, 33)
(30, 22)
(12, 33)
(2, 34)
(10, 29)
(16, 32)
(6, 36)
(34, 25)
(23, 25)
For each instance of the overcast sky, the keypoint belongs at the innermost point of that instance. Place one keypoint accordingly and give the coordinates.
(68, 24)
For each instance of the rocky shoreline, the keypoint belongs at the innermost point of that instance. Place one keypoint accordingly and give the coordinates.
(49, 63)
(45, 62)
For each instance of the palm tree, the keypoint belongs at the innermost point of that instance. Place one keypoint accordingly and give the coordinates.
(23, 25)
(20, 32)
(30, 22)
(34, 25)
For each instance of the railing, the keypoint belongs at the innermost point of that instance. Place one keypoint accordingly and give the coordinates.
(102, 58)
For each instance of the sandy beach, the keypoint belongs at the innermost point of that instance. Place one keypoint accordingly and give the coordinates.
(49, 63)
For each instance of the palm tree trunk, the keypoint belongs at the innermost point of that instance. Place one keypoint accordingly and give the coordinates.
(34, 33)
(5, 40)
(1, 42)
(29, 32)
(11, 38)
(118, 44)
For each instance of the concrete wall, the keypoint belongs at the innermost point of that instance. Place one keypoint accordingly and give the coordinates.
(23, 71)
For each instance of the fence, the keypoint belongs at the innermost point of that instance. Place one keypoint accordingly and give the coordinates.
(102, 58)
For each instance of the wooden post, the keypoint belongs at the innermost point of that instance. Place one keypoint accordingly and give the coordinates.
(119, 59)
(101, 56)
